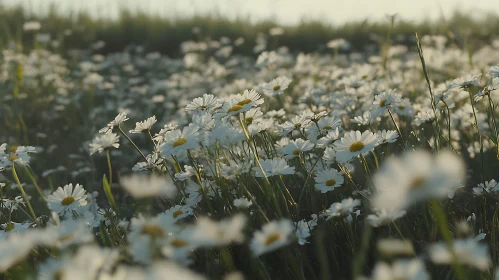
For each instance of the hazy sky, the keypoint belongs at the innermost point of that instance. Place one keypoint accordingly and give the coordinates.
(285, 11)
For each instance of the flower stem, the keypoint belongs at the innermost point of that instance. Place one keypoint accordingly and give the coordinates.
(25, 196)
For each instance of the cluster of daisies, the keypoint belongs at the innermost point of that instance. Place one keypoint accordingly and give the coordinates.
(288, 166)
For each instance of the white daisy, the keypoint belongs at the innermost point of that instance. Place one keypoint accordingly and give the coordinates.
(341, 209)
(144, 126)
(328, 179)
(354, 143)
(466, 251)
(104, 141)
(176, 141)
(276, 86)
(273, 235)
(386, 136)
(296, 147)
(273, 167)
(141, 186)
(67, 198)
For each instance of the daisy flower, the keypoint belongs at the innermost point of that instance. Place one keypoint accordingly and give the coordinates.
(118, 120)
(242, 203)
(328, 179)
(354, 143)
(303, 229)
(144, 126)
(365, 119)
(465, 82)
(273, 235)
(488, 187)
(465, 251)
(296, 123)
(176, 141)
(206, 103)
(273, 167)
(341, 209)
(385, 101)
(104, 141)
(276, 86)
(416, 176)
(401, 269)
(210, 233)
(424, 116)
(67, 198)
(142, 186)
(17, 154)
(387, 136)
(324, 126)
(240, 103)
(296, 147)
(384, 217)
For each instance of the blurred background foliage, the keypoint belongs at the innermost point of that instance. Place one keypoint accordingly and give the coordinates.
(80, 30)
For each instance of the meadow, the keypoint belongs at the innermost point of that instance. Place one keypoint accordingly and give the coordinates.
(207, 149)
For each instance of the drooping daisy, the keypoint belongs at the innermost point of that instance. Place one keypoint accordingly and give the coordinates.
(341, 209)
(206, 103)
(273, 167)
(273, 235)
(465, 82)
(67, 198)
(386, 136)
(328, 179)
(242, 203)
(354, 143)
(142, 186)
(303, 229)
(295, 147)
(104, 141)
(486, 188)
(176, 141)
(296, 123)
(365, 119)
(276, 86)
(118, 120)
(211, 233)
(466, 251)
(424, 116)
(324, 126)
(144, 126)
(401, 269)
(384, 217)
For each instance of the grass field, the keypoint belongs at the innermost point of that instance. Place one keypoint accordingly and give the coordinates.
(206, 149)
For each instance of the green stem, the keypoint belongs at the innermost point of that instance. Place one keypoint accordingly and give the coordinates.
(130, 140)
(25, 196)
(108, 157)
(33, 180)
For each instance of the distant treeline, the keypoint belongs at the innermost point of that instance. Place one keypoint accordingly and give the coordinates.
(81, 30)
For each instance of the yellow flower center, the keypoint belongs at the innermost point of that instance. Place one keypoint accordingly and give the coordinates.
(68, 200)
(177, 213)
(297, 125)
(327, 127)
(244, 102)
(272, 238)
(58, 275)
(152, 230)
(235, 108)
(66, 238)
(13, 156)
(417, 183)
(277, 87)
(179, 243)
(9, 227)
(179, 142)
(13, 148)
(296, 152)
(364, 76)
(330, 183)
(382, 103)
(356, 146)
(249, 120)
(202, 107)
